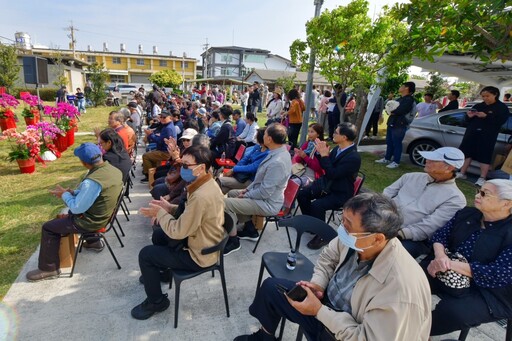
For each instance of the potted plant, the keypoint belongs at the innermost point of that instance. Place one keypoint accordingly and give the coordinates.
(25, 147)
(65, 116)
(7, 117)
(30, 113)
(49, 132)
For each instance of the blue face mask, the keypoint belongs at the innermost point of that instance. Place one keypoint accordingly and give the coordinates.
(349, 240)
(186, 174)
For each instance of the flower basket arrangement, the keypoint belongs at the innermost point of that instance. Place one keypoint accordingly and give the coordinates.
(49, 132)
(7, 117)
(65, 117)
(31, 113)
(25, 147)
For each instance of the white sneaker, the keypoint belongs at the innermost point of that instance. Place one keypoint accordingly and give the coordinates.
(392, 165)
(383, 160)
(480, 182)
(460, 175)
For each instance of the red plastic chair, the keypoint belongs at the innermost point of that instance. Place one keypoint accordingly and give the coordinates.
(358, 184)
(290, 193)
(230, 163)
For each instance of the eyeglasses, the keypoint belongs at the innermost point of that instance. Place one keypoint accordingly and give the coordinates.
(484, 194)
(185, 166)
(356, 234)
(185, 140)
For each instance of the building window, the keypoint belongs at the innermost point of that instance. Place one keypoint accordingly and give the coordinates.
(117, 78)
(140, 61)
(184, 66)
(254, 58)
(116, 60)
(225, 71)
(163, 62)
(91, 59)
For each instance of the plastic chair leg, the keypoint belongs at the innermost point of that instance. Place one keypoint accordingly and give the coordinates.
(289, 239)
(120, 228)
(124, 212)
(176, 303)
(463, 334)
(299, 334)
(117, 235)
(508, 335)
(79, 246)
(331, 216)
(224, 289)
(260, 276)
(281, 329)
(261, 235)
(111, 252)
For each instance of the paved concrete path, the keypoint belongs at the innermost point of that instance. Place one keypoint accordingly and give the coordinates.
(95, 304)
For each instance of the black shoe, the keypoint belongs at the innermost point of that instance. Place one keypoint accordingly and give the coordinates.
(249, 232)
(232, 245)
(144, 181)
(317, 243)
(260, 335)
(96, 246)
(145, 310)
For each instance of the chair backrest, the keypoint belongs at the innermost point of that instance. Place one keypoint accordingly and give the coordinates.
(240, 152)
(305, 223)
(290, 193)
(228, 225)
(110, 223)
(358, 183)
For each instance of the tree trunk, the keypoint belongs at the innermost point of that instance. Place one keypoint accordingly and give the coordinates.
(363, 104)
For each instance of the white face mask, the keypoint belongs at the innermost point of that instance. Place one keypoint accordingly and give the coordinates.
(349, 240)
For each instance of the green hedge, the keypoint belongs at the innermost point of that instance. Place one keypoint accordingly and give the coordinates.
(47, 94)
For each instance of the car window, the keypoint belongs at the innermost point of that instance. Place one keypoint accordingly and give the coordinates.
(457, 119)
(506, 128)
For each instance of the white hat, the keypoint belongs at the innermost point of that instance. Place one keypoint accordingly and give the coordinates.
(391, 105)
(217, 103)
(201, 111)
(450, 155)
(188, 134)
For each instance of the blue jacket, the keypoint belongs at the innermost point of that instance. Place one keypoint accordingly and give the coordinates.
(166, 132)
(251, 161)
(240, 125)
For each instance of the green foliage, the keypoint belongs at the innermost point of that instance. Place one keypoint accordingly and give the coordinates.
(166, 78)
(467, 89)
(9, 68)
(46, 94)
(286, 82)
(393, 83)
(436, 85)
(457, 26)
(98, 77)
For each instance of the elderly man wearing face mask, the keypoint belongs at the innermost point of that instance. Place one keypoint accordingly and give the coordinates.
(365, 285)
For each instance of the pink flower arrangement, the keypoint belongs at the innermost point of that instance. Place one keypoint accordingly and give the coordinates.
(24, 145)
(48, 130)
(31, 100)
(64, 114)
(7, 104)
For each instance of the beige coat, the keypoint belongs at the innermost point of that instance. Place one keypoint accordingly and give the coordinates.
(201, 221)
(392, 302)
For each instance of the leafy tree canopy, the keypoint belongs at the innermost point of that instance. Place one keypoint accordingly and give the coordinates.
(9, 67)
(98, 77)
(166, 78)
(482, 28)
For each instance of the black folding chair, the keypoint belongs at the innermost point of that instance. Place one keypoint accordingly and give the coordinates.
(181, 275)
(508, 336)
(358, 184)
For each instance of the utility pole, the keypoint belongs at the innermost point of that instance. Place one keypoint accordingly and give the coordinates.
(205, 60)
(71, 36)
(309, 85)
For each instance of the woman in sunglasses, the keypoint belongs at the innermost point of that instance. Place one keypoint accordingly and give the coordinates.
(483, 236)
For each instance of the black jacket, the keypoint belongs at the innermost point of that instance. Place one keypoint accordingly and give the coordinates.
(397, 118)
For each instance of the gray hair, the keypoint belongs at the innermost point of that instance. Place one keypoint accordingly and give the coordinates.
(379, 214)
(201, 140)
(503, 187)
(117, 116)
(126, 112)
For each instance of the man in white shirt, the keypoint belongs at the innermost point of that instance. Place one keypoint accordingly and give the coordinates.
(428, 107)
(428, 200)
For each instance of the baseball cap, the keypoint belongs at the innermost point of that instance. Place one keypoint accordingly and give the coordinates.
(88, 152)
(450, 155)
(188, 134)
(217, 103)
(201, 111)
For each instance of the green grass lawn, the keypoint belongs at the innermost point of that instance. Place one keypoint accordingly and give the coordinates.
(25, 203)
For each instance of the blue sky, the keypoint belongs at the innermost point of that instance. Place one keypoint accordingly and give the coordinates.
(177, 26)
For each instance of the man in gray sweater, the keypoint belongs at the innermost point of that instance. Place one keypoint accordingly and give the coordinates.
(265, 195)
(428, 200)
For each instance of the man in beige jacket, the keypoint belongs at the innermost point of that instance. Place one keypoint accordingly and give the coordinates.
(365, 285)
(199, 226)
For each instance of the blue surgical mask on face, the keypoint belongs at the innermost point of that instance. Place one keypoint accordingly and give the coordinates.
(349, 240)
(187, 175)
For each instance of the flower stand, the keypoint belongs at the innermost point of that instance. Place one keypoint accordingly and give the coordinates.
(70, 135)
(27, 166)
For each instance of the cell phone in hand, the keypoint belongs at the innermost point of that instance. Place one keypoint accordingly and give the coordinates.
(297, 293)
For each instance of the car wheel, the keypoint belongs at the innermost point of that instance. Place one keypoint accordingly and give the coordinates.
(420, 146)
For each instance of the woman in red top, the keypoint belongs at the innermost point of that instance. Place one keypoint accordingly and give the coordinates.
(309, 157)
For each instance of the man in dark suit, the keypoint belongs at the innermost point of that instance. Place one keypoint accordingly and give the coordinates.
(453, 97)
(333, 189)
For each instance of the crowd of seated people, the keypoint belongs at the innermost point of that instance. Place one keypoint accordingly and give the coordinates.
(370, 282)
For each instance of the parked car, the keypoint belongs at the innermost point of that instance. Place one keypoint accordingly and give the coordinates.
(124, 89)
(445, 129)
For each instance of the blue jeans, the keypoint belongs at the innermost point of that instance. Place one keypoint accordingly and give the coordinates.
(81, 105)
(394, 138)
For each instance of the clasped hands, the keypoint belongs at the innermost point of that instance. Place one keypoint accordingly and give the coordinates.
(59, 191)
(439, 264)
(154, 207)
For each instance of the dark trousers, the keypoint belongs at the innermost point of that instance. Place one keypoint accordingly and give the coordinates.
(334, 120)
(394, 138)
(416, 249)
(270, 305)
(315, 206)
(165, 254)
(458, 308)
(159, 189)
(293, 133)
(373, 123)
(52, 231)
